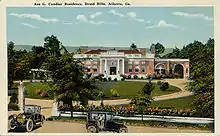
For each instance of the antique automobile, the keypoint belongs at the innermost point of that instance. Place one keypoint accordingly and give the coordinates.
(30, 118)
(93, 124)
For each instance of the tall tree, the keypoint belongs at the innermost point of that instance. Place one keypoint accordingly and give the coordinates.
(202, 73)
(11, 63)
(70, 82)
(157, 48)
(52, 45)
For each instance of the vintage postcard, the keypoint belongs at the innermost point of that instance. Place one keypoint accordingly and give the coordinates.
(106, 67)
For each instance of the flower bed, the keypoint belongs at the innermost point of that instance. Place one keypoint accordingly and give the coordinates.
(130, 110)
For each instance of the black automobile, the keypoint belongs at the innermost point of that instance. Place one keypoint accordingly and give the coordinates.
(28, 120)
(94, 124)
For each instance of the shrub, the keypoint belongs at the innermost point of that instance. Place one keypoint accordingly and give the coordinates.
(114, 93)
(129, 76)
(12, 106)
(14, 98)
(105, 79)
(44, 94)
(135, 77)
(164, 86)
(159, 83)
(109, 79)
(38, 91)
(148, 88)
(115, 79)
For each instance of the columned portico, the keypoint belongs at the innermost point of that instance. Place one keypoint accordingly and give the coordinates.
(112, 66)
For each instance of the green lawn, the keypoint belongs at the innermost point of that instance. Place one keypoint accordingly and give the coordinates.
(131, 89)
(125, 89)
(184, 102)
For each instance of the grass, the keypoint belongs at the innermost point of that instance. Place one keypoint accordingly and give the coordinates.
(184, 102)
(131, 89)
(125, 89)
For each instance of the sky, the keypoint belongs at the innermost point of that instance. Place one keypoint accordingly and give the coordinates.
(110, 26)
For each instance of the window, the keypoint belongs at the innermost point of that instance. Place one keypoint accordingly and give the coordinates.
(88, 70)
(143, 68)
(136, 70)
(130, 69)
(186, 70)
(95, 70)
(136, 55)
(89, 56)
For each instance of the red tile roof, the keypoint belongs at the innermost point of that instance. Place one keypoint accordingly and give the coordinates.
(125, 51)
(130, 51)
(95, 51)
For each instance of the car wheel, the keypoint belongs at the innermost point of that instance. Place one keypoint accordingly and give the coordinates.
(11, 124)
(92, 129)
(123, 130)
(29, 125)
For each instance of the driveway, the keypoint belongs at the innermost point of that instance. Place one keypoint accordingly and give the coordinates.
(66, 127)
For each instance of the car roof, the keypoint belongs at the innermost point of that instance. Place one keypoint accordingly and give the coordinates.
(101, 112)
(33, 105)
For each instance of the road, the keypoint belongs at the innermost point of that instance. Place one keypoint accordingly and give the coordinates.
(67, 127)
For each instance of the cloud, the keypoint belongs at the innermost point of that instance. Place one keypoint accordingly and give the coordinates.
(131, 15)
(83, 18)
(196, 15)
(116, 13)
(95, 15)
(67, 23)
(35, 17)
(163, 23)
(29, 25)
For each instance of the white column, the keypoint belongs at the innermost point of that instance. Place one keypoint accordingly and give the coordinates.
(21, 97)
(123, 66)
(100, 66)
(106, 65)
(118, 67)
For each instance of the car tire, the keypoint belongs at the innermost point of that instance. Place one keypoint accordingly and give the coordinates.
(29, 125)
(92, 129)
(123, 130)
(10, 126)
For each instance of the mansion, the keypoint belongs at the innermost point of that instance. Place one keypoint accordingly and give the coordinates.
(115, 62)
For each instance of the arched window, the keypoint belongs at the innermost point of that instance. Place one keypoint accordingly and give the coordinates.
(160, 68)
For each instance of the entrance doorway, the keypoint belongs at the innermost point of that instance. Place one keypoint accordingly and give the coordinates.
(178, 69)
(112, 70)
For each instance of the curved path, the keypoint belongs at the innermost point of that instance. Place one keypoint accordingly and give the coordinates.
(181, 83)
(48, 104)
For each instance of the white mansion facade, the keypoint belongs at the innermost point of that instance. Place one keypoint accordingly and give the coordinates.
(116, 62)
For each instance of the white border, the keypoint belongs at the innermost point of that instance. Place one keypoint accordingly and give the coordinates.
(158, 3)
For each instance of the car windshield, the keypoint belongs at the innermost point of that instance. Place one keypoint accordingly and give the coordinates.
(32, 109)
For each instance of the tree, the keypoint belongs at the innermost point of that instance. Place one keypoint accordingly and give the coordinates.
(52, 45)
(11, 63)
(202, 73)
(143, 99)
(70, 82)
(158, 49)
(133, 46)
